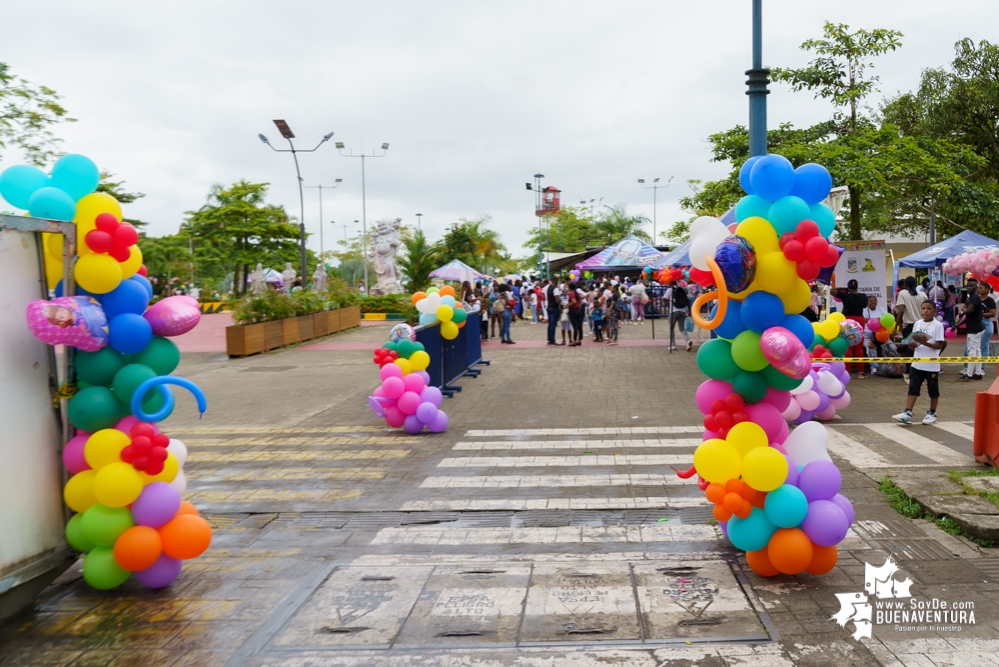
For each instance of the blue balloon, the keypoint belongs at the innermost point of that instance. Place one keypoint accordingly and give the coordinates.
(800, 327)
(752, 533)
(762, 310)
(129, 333)
(146, 285)
(786, 506)
(52, 204)
(76, 175)
(744, 172)
(824, 217)
(168, 401)
(772, 177)
(751, 206)
(19, 182)
(732, 325)
(786, 213)
(79, 292)
(737, 262)
(448, 301)
(127, 297)
(812, 182)
(426, 319)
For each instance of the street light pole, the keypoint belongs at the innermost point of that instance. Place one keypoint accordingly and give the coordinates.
(320, 187)
(419, 221)
(286, 132)
(757, 81)
(537, 211)
(655, 187)
(364, 205)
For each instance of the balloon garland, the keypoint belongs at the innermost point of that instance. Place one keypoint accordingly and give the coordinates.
(127, 476)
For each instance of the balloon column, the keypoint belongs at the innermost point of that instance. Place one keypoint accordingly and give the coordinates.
(820, 394)
(775, 493)
(440, 305)
(127, 476)
(670, 275)
(983, 264)
(405, 397)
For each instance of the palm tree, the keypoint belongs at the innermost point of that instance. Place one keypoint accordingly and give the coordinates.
(420, 259)
(474, 244)
(615, 223)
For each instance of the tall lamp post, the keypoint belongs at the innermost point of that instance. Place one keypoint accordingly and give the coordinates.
(757, 80)
(655, 187)
(337, 183)
(364, 204)
(536, 188)
(419, 221)
(289, 135)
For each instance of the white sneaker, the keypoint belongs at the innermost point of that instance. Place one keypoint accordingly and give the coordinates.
(929, 419)
(903, 417)
(672, 348)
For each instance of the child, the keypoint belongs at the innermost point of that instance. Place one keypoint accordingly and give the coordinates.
(564, 324)
(927, 338)
(598, 320)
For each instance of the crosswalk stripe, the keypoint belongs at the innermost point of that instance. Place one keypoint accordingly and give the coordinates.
(575, 444)
(553, 481)
(931, 449)
(203, 475)
(520, 504)
(268, 430)
(425, 535)
(291, 441)
(282, 456)
(960, 429)
(854, 452)
(610, 430)
(566, 461)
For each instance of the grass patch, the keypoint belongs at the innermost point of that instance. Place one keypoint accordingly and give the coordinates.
(905, 505)
(960, 475)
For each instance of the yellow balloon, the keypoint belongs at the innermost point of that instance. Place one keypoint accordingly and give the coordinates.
(419, 360)
(404, 365)
(449, 330)
(97, 273)
(764, 469)
(817, 326)
(170, 469)
(53, 244)
(836, 317)
(830, 329)
(717, 461)
(797, 298)
(87, 210)
(774, 272)
(131, 265)
(53, 270)
(760, 234)
(79, 491)
(117, 484)
(104, 448)
(445, 313)
(746, 436)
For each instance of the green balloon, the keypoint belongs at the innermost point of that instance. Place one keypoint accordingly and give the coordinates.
(778, 380)
(459, 316)
(101, 570)
(888, 321)
(128, 379)
(751, 386)
(93, 409)
(838, 346)
(747, 353)
(98, 368)
(162, 355)
(80, 384)
(75, 536)
(390, 345)
(101, 525)
(818, 340)
(405, 348)
(420, 347)
(714, 358)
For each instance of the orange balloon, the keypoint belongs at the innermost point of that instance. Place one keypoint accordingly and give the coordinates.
(790, 550)
(721, 513)
(760, 563)
(715, 492)
(188, 508)
(418, 296)
(744, 510)
(185, 536)
(732, 502)
(823, 559)
(758, 500)
(882, 335)
(138, 548)
(447, 290)
(748, 492)
(734, 485)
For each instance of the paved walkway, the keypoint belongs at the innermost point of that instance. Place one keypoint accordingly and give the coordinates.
(544, 528)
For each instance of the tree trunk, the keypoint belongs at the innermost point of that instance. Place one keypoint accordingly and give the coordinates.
(855, 233)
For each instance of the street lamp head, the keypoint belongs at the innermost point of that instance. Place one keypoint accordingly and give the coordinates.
(655, 180)
(384, 147)
(539, 176)
(328, 136)
(264, 139)
(582, 201)
(339, 144)
(339, 180)
(283, 128)
(641, 180)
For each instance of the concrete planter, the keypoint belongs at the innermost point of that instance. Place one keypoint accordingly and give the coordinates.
(242, 340)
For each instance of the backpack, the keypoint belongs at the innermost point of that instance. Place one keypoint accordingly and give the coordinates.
(889, 369)
(680, 300)
(499, 305)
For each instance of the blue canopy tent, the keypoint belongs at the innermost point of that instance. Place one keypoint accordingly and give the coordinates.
(936, 255)
(629, 254)
(678, 256)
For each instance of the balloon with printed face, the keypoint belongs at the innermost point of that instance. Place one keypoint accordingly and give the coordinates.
(77, 321)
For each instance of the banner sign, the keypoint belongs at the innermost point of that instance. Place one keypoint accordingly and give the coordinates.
(863, 261)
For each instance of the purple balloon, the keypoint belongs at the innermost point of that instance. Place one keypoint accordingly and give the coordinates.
(792, 471)
(413, 425)
(825, 524)
(844, 504)
(161, 573)
(157, 504)
(724, 528)
(427, 412)
(820, 480)
(823, 401)
(805, 416)
(432, 395)
(423, 374)
(440, 423)
(837, 367)
(840, 394)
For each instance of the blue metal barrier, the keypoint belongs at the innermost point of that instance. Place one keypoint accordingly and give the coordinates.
(454, 353)
(474, 338)
(431, 338)
(452, 359)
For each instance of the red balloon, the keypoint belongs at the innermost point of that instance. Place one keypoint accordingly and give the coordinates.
(806, 230)
(120, 254)
(702, 278)
(143, 428)
(739, 417)
(718, 406)
(815, 248)
(794, 251)
(98, 241)
(734, 402)
(785, 238)
(106, 222)
(724, 419)
(143, 271)
(807, 270)
(832, 256)
(125, 235)
(709, 423)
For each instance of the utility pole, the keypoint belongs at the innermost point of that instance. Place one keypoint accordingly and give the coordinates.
(758, 78)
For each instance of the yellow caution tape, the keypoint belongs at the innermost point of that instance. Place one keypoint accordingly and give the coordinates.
(66, 391)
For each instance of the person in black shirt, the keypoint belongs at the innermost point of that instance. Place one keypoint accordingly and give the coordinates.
(974, 326)
(854, 303)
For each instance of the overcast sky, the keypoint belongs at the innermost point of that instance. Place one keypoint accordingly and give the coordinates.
(474, 97)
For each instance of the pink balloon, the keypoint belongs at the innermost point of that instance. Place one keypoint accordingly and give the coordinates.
(779, 448)
(950, 333)
(710, 435)
(784, 431)
(873, 324)
(72, 453)
(414, 383)
(173, 316)
(842, 402)
(785, 352)
(409, 402)
(808, 400)
(394, 416)
(440, 423)
(379, 392)
(711, 390)
(826, 415)
(792, 411)
(393, 387)
(778, 399)
(390, 371)
(766, 417)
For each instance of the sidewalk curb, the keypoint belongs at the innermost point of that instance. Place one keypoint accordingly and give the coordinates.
(941, 497)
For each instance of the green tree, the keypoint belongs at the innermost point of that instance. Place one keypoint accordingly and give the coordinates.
(614, 223)
(418, 261)
(571, 230)
(116, 190)
(474, 243)
(839, 74)
(166, 257)
(27, 114)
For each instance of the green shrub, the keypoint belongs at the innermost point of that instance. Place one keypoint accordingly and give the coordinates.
(392, 303)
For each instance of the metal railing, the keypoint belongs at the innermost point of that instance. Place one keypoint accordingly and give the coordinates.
(452, 359)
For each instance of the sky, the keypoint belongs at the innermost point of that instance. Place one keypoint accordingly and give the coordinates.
(473, 97)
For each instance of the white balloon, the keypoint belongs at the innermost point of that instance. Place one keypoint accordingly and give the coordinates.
(806, 385)
(179, 482)
(179, 451)
(706, 234)
(423, 306)
(807, 443)
(433, 302)
(829, 383)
